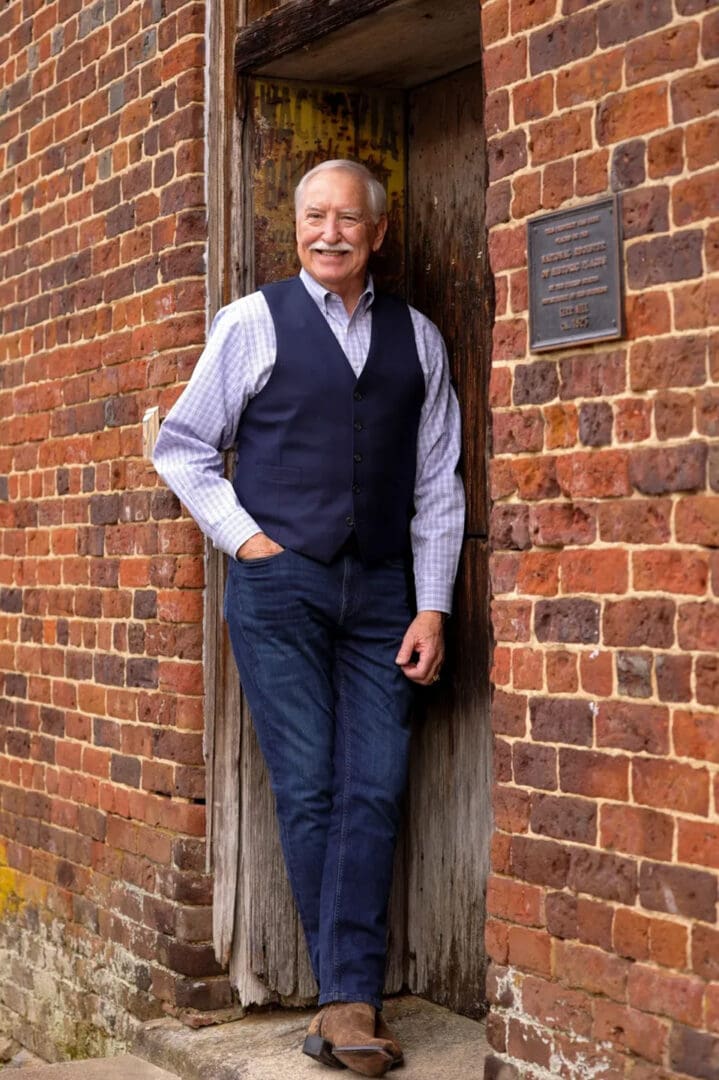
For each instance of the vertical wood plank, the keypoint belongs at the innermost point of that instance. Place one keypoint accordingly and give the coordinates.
(449, 800)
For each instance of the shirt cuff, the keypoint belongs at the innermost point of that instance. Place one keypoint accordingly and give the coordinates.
(234, 531)
(434, 596)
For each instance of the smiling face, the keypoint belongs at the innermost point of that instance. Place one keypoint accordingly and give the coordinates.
(336, 234)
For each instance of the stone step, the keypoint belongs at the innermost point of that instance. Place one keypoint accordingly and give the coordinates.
(267, 1046)
(124, 1067)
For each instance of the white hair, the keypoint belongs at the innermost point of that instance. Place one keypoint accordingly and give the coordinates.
(376, 194)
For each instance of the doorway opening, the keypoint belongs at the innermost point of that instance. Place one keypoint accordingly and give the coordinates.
(397, 85)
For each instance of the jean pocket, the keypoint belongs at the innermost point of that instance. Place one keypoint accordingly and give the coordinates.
(263, 560)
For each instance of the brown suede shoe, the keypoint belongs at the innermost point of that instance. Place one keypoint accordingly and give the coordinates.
(343, 1035)
(382, 1031)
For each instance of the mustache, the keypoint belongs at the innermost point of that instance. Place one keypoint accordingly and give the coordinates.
(342, 248)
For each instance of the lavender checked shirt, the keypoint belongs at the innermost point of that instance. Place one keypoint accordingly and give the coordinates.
(235, 365)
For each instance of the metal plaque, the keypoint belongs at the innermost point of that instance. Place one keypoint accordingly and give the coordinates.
(575, 291)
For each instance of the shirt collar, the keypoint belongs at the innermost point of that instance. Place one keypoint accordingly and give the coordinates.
(323, 297)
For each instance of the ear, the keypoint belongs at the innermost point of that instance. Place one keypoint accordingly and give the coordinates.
(380, 232)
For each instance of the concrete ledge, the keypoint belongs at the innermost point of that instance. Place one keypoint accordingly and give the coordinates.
(267, 1046)
(125, 1067)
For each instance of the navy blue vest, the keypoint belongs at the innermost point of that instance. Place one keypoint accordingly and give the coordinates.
(321, 454)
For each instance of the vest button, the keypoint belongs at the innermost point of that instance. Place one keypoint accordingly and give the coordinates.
(358, 425)
(358, 458)
(349, 521)
(356, 489)
(357, 395)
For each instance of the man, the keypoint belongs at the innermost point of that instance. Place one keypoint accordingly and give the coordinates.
(338, 402)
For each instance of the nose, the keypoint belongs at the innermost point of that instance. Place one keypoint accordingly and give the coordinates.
(331, 232)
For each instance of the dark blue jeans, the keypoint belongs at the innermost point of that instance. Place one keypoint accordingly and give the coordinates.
(315, 647)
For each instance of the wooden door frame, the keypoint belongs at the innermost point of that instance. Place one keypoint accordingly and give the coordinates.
(234, 51)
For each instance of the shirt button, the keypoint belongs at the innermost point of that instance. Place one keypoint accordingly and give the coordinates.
(358, 458)
(349, 521)
(356, 489)
(357, 395)
(358, 425)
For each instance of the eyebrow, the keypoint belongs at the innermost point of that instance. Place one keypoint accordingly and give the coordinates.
(342, 210)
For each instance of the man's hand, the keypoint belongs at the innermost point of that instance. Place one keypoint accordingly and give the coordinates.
(258, 546)
(422, 650)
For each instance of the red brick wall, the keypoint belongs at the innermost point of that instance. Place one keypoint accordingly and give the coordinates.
(104, 912)
(602, 929)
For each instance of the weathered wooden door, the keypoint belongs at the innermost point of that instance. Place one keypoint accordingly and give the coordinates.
(425, 140)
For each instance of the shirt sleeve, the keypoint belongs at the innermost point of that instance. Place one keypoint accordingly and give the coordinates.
(438, 524)
(188, 455)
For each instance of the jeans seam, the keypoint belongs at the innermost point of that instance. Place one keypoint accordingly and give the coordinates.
(342, 840)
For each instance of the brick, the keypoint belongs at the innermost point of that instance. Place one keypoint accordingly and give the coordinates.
(556, 137)
(495, 21)
(594, 475)
(595, 424)
(622, 20)
(695, 95)
(527, 669)
(707, 680)
(518, 432)
(697, 521)
(509, 713)
(567, 621)
(562, 523)
(540, 862)
(589, 80)
(535, 383)
(604, 571)
(593, 774)
(561, 720)
(665, 154)
(671, 785)
(693, 200)
(628, 165)
(511, 809)
(705, 952)
(538, 573)
(701, 143)
(533, 100)
(527, 1043)
(636, 831)
(647, 314)
(673, 415)
(511, 620)
(529, 949)
(633, 1030)
(514, 901)
(562, 42)
(676, 996)
(698, 626)
(635, 522)
(509, 527)
(631, 113)
(556, 1006)
(665, 258)
(608, 876)
(660, 54)
(634, 674)
(639, 622)
(561, 670)
(673, 675)
(506, 63)
(694, 1052)
(678, 890)
(698, 843)
(506, 154)
(591, 969)
(640, 728)
(564, 819)
(670, 571)
(696, 735)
